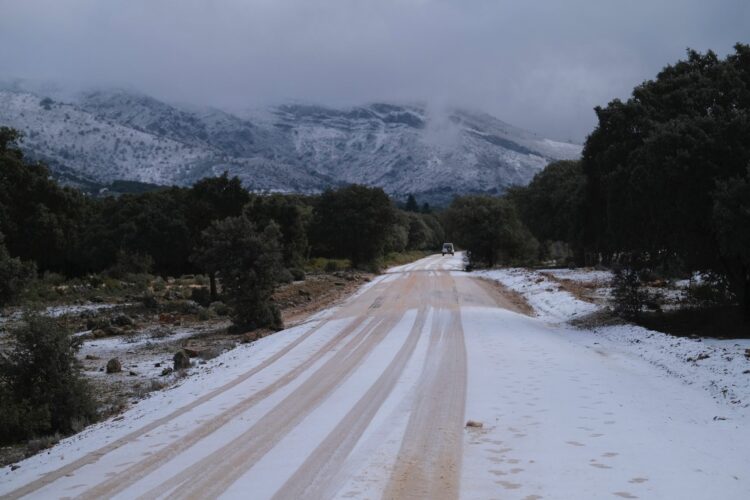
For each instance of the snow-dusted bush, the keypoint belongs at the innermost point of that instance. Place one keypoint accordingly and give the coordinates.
(42, 390)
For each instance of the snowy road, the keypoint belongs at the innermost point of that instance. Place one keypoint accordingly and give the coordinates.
(369, 400)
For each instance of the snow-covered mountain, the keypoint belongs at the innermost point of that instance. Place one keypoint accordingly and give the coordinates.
(104, 136)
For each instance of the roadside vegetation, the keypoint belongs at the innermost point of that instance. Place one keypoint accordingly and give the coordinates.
(662, 193)
(42, 391)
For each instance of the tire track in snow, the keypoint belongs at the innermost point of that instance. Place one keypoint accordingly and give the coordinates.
(428, 464)
(144, 467)
(312, 479)
(94, 456)
(212, 475)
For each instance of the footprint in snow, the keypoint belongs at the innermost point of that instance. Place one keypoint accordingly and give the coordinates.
(638, 480)
(624, 494)
(509, 485)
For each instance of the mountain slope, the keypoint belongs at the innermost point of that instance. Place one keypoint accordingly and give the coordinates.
(107, 135)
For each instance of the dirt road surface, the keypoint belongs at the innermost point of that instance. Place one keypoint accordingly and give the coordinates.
(371, 398)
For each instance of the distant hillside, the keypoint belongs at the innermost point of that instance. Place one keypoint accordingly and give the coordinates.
(100, 137)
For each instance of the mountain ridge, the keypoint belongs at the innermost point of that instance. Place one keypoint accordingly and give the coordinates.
(102, 136)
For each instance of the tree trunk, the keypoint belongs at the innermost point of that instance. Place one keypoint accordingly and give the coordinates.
(212, 285)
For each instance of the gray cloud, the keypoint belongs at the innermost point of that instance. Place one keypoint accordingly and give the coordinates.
(538, 64)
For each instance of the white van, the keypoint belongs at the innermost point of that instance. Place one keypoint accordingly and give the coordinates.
(447, 248)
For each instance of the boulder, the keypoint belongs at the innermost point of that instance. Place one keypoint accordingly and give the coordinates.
(113, 331)
(96, 323)
(98, 334)
(167, 318)
(122, 320)
(149, 301)
(191, 352)
(181, 360)
(114, 366)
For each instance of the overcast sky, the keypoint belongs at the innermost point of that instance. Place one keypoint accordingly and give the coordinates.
(538, 64)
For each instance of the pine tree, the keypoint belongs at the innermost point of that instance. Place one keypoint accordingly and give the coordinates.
(411, 204)
(14, 275)
(248, 264)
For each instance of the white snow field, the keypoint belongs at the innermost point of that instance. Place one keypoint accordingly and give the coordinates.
(371, 399)
(721, 367)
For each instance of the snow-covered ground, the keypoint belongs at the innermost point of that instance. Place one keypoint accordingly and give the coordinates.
(370, 400)
(140, 352)
(721, 367)
(565, 417)
(60, 311)
(549, 300)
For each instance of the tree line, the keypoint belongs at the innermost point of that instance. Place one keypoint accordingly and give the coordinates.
(663, 184)
(245, 241)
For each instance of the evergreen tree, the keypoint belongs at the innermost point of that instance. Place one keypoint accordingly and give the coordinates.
(354, 222)
(490, 229)
(292, 215)
(411, 204)
(732, 221)
(41, 221)
(248, 264)
(552, 205)
(654, 162)
(419, 233)
(151, 224)
(14, 275)
(213, 199)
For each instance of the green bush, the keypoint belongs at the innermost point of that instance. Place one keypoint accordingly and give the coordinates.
(139, 280)
(710, 291)
(297, 273)
(183, 307)
(629, 295)
(149, 301)
(284, 276)
(14, 275)
(159, 285)
(131, 263)
(53, 279)
(220, 308)
(41, 387)
(319, 264)
(201, 295)
(205, 314)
